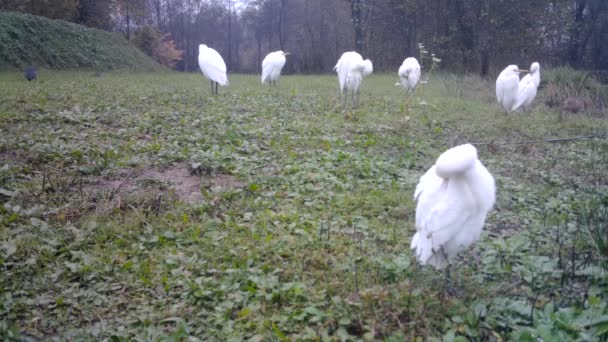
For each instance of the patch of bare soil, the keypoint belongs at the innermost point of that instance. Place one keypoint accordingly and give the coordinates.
(177, 179)
(224, 181)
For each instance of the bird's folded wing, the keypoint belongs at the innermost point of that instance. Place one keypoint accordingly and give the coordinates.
(443, 222)
(216, 74)
(266, 61)
(215, 60)
(342, 68)
(265, 70)
(527, 88)
(500, 90)
(428, 182)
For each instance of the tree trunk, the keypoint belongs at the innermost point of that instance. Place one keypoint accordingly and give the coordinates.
(157, 8)
(575, 49)
(282, 24)
(356, 8)
(229, 47)
(128, 22)
(483, 44)
(259, 40)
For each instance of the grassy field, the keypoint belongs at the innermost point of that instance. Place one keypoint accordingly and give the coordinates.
(138, 206)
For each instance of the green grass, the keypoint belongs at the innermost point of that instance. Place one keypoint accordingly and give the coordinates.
(306, 215)
(56, 44)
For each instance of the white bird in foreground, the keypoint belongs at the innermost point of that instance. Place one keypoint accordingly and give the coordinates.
(454, 197)
(507, 87)
(351, 69)
(409, 73)
(272, 65)
(528, 86)
(212, 65)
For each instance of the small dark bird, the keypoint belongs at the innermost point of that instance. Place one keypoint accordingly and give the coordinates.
(31, 73)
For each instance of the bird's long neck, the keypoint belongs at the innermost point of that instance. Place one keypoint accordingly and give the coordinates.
(536, 77)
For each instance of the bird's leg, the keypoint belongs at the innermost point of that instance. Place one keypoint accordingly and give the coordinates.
(211, 87)
(275, 84)
(447, 277)
(446, 280)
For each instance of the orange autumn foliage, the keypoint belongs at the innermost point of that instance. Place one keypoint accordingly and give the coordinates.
(166, 52)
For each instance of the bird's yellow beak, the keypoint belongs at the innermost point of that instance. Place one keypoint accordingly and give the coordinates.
(286, 53)
(523, 70)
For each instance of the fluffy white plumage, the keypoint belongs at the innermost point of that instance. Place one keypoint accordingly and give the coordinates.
(351, 69)
(212, 65)
(409, 73)
(369, 67)
(528, 87)
(272, 65)
(454, 197)
(507, 87)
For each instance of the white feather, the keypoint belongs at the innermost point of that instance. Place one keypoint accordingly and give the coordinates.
(528, 87)
(351, 69)
(212, 65)
(409, 73)
(507, 87)
(272, 65)
(453, 199)
(369, 68)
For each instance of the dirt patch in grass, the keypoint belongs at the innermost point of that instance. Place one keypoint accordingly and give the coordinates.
(224, 181)
(187, 187)
(177, 179)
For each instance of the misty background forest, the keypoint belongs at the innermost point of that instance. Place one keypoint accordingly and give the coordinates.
(480, 36)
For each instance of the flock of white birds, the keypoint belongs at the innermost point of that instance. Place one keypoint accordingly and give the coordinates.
(514, 94)
(456, 194)
(351, 69)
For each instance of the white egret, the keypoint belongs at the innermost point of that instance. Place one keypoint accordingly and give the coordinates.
(212, 65)
(507, 87)
(272, 65)
(454, 197)
(528, 87)
(409, 73)
(351, 69)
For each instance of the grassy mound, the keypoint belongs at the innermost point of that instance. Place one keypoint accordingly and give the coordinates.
(56, 44)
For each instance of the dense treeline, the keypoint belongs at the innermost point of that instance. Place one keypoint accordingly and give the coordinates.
(468, 35)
